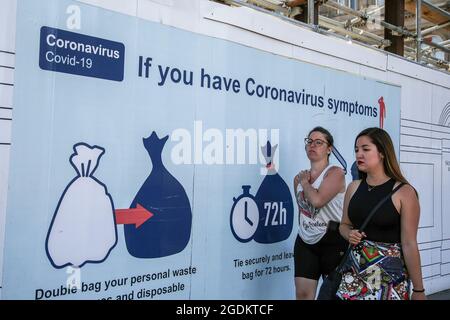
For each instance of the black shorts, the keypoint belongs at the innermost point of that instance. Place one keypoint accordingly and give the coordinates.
(314, 260)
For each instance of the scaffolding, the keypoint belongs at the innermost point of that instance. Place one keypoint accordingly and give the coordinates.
(418, 31)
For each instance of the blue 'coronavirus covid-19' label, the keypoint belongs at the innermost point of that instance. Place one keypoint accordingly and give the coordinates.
(75, 53)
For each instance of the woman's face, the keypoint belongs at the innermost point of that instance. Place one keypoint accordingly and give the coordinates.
(367, 155)
(318, 148)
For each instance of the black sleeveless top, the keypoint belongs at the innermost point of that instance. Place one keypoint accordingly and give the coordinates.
(385, 223)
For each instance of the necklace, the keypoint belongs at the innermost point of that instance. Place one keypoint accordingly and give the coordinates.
(370, 188)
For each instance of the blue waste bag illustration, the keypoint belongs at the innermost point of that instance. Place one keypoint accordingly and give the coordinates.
(276, 211)
(83, 227)
(340, 158)
(168, 231)
(355, 172)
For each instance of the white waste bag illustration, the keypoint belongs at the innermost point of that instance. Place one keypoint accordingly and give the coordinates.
(83, 228)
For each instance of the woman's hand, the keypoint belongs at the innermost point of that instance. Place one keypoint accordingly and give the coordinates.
(301, 178)
(355, 237)
(296, 181)
(418, 296)
(305, 177)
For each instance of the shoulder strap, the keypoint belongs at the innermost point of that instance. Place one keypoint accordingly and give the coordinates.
(324, 172)
(379, 204)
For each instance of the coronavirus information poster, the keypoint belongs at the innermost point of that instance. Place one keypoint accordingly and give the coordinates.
(149, 162)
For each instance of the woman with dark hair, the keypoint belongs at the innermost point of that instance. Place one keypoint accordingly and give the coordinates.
(385, 258)
(320, 195)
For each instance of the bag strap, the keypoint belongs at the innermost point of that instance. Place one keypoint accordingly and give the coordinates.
(374, 210)
(367, 220)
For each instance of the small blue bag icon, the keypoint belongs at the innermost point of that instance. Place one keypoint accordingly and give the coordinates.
(276, 211)
(168, 231)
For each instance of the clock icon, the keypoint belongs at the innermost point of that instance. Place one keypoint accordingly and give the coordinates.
(244, 216)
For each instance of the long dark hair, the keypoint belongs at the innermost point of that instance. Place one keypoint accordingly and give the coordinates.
(381, 139)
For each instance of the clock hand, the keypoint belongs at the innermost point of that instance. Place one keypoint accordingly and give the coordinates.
(250, 222)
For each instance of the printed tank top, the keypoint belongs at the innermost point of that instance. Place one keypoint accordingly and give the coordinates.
(313, 222)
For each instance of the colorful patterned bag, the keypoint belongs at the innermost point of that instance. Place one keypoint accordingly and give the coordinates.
(333, 282)
(375, 271)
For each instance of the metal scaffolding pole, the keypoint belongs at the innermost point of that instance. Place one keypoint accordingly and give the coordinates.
(311, 11)
(432, 29)
(335, 5)
(271, 5)
(438, 46)
(345, 30)
(355, 33)
(436, 9)
(410, 53)
(418, 29)
(366, 17)
(367, 14)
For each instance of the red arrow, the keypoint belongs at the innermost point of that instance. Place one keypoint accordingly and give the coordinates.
(136, 216)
